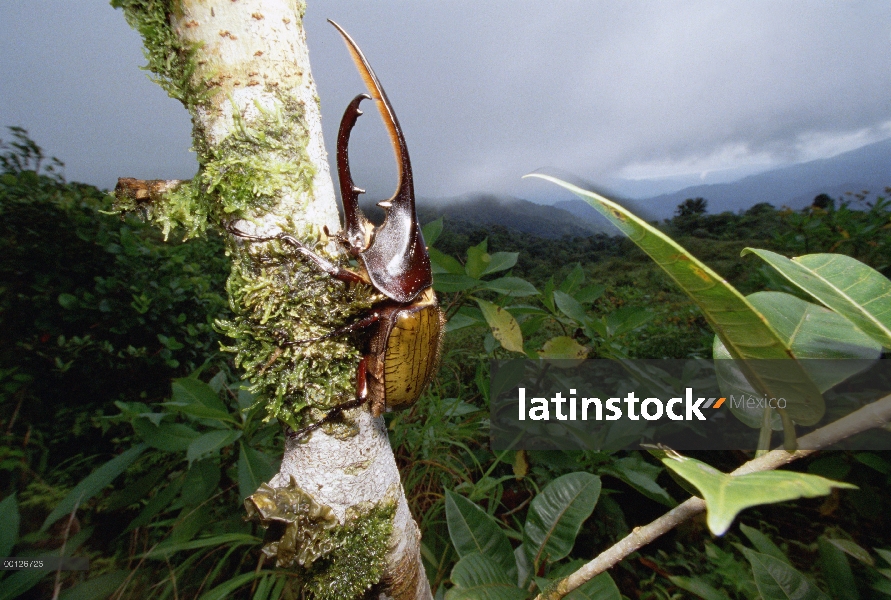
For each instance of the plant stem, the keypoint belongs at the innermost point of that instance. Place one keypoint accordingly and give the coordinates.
(877, 414)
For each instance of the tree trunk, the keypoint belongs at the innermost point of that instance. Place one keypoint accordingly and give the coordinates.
(337, 512)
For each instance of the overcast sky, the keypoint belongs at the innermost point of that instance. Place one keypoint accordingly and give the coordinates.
(636, 97)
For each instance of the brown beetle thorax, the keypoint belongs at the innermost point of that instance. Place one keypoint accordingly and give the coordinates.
(404, 353)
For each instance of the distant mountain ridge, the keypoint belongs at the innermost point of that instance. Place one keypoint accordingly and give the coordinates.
(795, 186)
(867, 168)
(487, 210)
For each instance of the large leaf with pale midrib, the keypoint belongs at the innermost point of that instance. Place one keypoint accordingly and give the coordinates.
(254, 467)
(726, 495)
(556, 515)
(473, 530)
(829, 348)
(196, 398)
(837, 571)
(745, 332)
(478, 577)
(601, 587)
(777, 580)
(842, 283)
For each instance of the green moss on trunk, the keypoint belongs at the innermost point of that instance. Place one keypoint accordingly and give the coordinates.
(276, 298)
(334, 561)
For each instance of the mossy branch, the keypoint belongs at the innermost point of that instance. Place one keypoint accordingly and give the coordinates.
(241, 69)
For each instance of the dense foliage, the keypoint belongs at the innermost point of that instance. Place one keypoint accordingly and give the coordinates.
(102, 319)
(93, 308)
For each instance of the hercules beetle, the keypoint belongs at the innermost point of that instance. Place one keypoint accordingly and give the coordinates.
(404, 347)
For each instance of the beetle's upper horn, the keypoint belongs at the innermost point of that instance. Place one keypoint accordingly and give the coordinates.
(383, 105)
(396, 260)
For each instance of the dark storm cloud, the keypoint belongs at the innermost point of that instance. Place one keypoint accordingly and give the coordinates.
(487, 92)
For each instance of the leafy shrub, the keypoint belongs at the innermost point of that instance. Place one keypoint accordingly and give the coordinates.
(92, 308)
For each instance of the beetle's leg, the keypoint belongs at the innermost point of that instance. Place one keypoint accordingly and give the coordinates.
(324, 264)
(360, 324)
(360, 399)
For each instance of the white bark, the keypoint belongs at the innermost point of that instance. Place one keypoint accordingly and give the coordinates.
(251, 48)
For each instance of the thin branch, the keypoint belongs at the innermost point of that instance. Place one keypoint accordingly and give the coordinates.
(144, 191)
(876, 414)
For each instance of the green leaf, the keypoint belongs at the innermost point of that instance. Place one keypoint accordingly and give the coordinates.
(223, 539)
(699, 587)
(762, 543)
(136, 491)
(157, 503)
(246, 398)
(194, 397)
(443, 263)
(744, 332)
(575, 278)
(504, 327)
(885, 554)
(842, 283)
(431, 231)
(570, 307)
(210, 442)
(501, 261)
(556, 515)
(883, 586)
(563, 348)
(449, 283)
(202, 481)
(811, 332)
(640, 475)
(852, 549)
(478, 260)
(524, 569)
(777, 580)
(590, 293)
(874, 461)
(98, 587)
(726, 495)
(627, 319)
(226, 589)
(67, 301)
(510, 286)
(837, 571)
(464, 318)
(94, 483)
(20, 582)
(601, 587)
(9, 517)
(473, 530)
(478, 577)
(814, 332)
(547, 295)
(170, 437)
(254, 468)
(508, 374)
